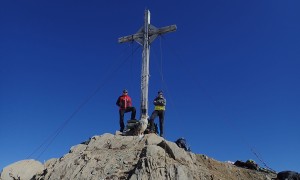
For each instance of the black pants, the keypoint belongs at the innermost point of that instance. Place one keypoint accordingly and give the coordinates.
(161, 115)
(122, 112)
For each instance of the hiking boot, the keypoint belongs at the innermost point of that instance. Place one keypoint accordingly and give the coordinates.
(124, 133)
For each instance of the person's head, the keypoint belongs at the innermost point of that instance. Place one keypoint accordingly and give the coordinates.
(125, 92)
(160, 93)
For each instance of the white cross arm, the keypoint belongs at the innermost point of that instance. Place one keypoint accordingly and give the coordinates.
(131, 37)
(163, 30)
(153, 31)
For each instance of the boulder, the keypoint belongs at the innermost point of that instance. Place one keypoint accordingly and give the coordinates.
(24, 169)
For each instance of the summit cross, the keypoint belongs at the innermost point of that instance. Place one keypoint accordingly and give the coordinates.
(145, 36)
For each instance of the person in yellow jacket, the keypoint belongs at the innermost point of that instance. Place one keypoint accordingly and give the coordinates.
(159, 110)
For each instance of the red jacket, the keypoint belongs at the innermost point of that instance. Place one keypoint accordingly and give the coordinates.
(124, 102)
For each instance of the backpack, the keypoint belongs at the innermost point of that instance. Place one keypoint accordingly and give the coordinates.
(288, 175)
(181, 142)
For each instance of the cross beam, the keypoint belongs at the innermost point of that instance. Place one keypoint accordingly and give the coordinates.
(153, 31)
(145, 36)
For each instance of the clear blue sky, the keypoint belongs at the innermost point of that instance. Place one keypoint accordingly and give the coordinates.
(230, 74)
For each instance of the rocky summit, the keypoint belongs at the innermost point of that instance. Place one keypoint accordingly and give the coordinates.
(117, 157)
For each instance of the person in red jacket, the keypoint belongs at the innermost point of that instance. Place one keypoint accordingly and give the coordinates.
(125, 105)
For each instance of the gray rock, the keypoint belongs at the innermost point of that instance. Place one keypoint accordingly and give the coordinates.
(129, 157)
(23, 170)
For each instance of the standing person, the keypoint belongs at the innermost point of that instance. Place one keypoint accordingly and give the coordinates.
(159, 110)
(125, 105)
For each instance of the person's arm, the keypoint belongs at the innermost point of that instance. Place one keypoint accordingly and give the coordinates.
(155, 102)
(118, 102)
(129, 103)
(160, 102)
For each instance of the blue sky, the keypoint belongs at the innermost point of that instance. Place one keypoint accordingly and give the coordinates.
(230, 74)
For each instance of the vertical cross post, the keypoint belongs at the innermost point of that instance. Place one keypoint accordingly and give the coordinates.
(145, 36)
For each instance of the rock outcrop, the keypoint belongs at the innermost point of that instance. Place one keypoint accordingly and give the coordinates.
(25, 169)
(129, 157)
